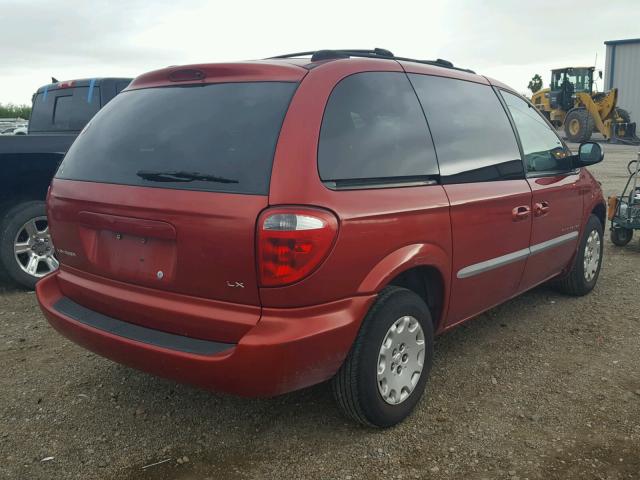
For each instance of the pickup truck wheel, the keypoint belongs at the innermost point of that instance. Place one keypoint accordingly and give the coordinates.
(26, 250)
(385, 373)
(586, 268)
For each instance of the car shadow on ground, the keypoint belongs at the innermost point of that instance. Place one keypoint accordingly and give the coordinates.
(309, 415)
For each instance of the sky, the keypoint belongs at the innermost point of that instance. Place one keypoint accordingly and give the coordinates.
(507, 40)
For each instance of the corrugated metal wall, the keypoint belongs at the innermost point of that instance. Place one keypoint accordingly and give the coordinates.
(622, 71)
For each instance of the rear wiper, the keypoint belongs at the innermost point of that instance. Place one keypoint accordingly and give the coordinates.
(181, 176)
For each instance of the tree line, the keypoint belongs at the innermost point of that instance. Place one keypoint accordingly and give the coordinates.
(11, 110)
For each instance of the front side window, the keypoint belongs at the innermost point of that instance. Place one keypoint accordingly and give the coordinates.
(473, 137)
(373, 128)
(542, 148)
(556, 80)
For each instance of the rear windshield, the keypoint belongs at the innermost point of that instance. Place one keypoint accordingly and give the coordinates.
(64, 110)
(216, 137)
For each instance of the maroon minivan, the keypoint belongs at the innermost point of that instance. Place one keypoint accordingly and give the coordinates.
(259, 227)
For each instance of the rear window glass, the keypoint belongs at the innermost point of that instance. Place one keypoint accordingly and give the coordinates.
(64, 110)
(216, 137)
(374, 128)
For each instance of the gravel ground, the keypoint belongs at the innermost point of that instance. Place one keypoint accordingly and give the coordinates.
(542, 387)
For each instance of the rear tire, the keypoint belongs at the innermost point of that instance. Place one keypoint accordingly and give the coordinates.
(578, 125)
(586, 267)
(358, 387)
(11, 226)
(621, 236)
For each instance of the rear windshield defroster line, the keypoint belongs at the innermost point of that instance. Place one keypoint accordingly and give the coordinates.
(215, 137)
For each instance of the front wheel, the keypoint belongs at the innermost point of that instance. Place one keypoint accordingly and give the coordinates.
(586, 268)
(385, 373)
(26, 250)
(578, 125)
(620, 236)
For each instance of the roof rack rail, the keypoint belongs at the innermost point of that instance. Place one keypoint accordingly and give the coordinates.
(319, 55)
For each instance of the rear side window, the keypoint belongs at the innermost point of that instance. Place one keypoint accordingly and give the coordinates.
(374, 129)
(543, 150)
(216, 137)
(64, 110)
(473, 137)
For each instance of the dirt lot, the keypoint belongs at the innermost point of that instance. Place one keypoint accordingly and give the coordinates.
(543, 387)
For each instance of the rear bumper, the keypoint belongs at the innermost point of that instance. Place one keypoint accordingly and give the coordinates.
(287, 350)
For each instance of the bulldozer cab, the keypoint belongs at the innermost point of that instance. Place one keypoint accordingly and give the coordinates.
(566, 82)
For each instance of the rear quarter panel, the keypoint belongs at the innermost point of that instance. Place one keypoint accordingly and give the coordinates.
(382, 231)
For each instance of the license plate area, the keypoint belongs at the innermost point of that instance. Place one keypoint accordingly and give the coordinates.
(129, 250)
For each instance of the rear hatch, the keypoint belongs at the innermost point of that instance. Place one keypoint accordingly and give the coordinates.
(163, 188)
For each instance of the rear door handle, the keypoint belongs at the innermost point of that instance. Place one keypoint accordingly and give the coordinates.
(520, 213)
(541, 208)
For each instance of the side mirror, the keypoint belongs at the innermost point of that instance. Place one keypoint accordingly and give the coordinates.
(589, 153)
(600, 74)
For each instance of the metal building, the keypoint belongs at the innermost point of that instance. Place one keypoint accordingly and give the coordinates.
(622, 71)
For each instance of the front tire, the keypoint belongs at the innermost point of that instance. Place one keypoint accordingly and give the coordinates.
(586, 267)
(26, 251)
(620, 236)
(578, 125)
(385, 373)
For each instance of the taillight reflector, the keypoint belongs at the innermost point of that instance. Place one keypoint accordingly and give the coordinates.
(292, 243)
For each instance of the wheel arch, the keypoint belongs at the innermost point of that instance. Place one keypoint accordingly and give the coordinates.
(600, 211)
(422, 268)
(8, 205)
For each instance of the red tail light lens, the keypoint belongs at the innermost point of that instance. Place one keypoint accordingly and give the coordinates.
(292, 242)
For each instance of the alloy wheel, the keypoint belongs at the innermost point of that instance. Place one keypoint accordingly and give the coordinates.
(33, 249)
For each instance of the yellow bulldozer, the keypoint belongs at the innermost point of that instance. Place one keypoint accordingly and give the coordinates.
(570, 102)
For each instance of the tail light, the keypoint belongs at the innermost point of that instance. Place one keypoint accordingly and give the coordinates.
(292, 242)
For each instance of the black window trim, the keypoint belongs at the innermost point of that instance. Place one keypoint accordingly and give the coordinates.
(548, 173)
(379, 182)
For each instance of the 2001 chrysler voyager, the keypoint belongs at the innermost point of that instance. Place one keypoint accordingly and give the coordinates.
(259, 227)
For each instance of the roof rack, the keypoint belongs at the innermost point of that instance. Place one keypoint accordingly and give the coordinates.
(319, 55)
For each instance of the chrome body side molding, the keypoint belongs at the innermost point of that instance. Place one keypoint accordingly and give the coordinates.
(485, 266)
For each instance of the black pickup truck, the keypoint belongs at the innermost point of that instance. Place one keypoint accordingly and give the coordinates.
(28, 162)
